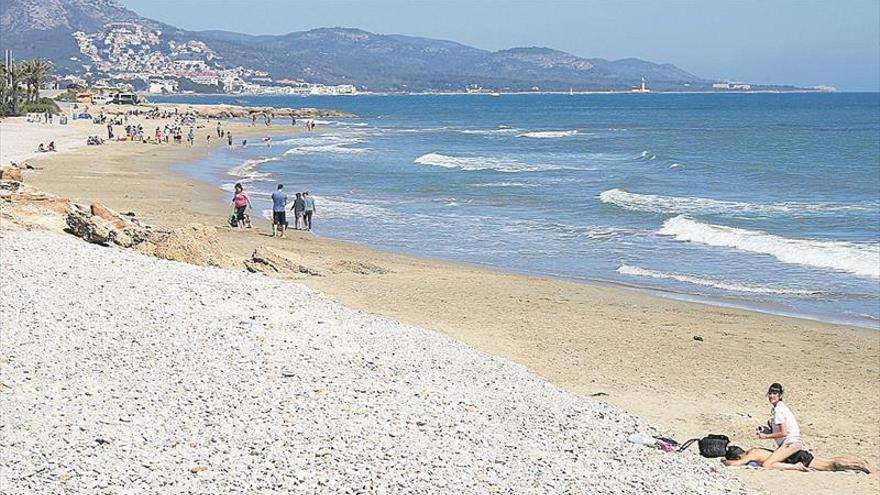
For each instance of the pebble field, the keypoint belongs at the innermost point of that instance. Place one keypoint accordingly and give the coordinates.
(125, 374)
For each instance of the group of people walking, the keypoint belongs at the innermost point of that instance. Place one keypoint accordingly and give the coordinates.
(303, 207)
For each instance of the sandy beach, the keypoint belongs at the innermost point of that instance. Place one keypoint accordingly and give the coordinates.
(630, 349)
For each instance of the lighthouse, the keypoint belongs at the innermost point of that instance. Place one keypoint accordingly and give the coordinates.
(643, 88)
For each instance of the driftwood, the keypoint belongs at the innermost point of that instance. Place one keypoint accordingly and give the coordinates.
(272, 261)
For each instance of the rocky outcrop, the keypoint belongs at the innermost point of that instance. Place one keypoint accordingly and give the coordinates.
(222, 111)
(195, 244)
(11, 173)
(86, 226)
(101, 225)
(272, 261)
(23, 207)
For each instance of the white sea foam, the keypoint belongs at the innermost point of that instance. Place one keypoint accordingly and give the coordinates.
(694, 205)
(483, 132)
(548, 134)
(472, 163)
(676, 165)
(330, 207)
(247, 171)
(568, 231)
(861, 259)
(326, 144)
(505, 184)
(647, 155)
(709, 282)
(325, 149)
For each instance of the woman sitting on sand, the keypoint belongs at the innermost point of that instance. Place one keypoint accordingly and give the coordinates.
(784, 430)
(800, 460)
(241, 203)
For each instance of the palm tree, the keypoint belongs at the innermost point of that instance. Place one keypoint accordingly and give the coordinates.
(34, 73)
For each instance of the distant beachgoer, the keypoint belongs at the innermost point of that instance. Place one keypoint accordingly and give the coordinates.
(253, 119)
(109, 131)
(268, 141)
(279, 216)
(42, 149)
(51, 146)
(292, 120)
(299, 207)
(229, 139)
(799, 461)
(219, 129)
(209, 139)
(308, 209)
(241, 203)
(191, 136)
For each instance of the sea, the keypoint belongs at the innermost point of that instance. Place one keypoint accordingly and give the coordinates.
(766, 201)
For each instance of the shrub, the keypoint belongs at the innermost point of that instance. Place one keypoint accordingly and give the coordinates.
(43, 105)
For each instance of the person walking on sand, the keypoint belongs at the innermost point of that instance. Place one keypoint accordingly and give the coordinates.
(241, 203)
(279, 204)
(784, 430)
(299, 207)
(308, 210)
(229, 139)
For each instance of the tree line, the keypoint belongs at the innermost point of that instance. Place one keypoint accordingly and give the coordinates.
(20, 87)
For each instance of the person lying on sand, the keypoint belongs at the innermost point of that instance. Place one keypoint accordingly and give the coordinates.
(800, 460)
(41, 148)
(51, 146)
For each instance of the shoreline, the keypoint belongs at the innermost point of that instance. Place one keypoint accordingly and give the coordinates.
(504, 93)
(636, 350)
(744, 304)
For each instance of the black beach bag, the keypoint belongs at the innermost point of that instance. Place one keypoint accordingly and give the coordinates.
(710, 445)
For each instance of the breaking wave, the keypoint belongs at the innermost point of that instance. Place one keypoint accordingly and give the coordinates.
(709, 282)
(483, 132)
(548, 134)
(694, 205)
(473, 163)
(505, 184)
(325, 145)
(860, 259)
(248, 172)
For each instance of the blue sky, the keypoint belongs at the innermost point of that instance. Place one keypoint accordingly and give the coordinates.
(802, 42)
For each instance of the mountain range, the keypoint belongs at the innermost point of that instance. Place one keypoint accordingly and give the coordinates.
(102, 39)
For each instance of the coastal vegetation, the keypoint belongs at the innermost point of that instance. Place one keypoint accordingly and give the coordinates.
(20, 88)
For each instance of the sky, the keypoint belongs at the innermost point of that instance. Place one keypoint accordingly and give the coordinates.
(800, 42)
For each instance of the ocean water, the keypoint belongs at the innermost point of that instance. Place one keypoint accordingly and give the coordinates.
(762, 201)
